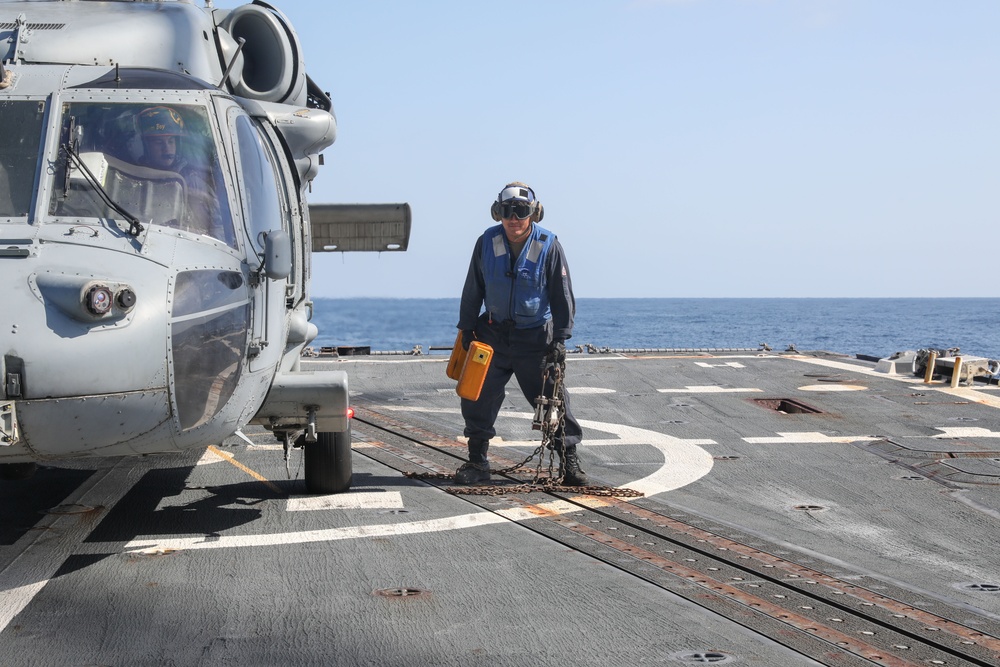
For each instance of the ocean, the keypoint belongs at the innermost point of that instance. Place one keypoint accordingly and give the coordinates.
(874, 327)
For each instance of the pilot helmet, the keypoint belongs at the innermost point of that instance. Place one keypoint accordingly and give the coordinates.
(517, 198)
(160, 122)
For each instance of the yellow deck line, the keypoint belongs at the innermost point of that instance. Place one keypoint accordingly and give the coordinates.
(253, 473)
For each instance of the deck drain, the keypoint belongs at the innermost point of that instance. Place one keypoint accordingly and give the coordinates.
(963, 419)
(152, 552)
(808, 508)
(402, 593)
(983, 588)
(673, 421)
(69, 509)
(788, 406)
(725, 458)
(703, 657)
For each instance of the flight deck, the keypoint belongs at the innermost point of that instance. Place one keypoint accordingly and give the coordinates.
(795, 509)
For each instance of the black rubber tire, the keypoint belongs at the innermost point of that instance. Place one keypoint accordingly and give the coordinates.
(328, 463)
(16, 471)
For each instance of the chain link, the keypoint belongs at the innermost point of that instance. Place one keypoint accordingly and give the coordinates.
(549, 426)
(544, 486)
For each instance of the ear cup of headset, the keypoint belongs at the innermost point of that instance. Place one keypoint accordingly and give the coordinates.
(538, 213)
(495, 211)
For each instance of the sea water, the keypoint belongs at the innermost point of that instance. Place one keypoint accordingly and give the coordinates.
(875, 327)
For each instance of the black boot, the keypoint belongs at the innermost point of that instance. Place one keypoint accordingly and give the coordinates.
(570, 468)
(477, 470)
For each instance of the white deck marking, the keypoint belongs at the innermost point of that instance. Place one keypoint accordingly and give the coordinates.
(970, 394)
(809, 438)
(967, 393)
(41, 553)
(153, 544)
(684, 462)
(854, 368)
(574, 391)
(368, 500)
(965, 432)
(209, 457)
(833, 387)
(728, 364)
(708, 389)
(13, 600)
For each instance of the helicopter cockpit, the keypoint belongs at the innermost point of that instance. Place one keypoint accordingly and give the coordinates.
(157, 162)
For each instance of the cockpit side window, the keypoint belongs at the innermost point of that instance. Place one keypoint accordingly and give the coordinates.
(158, 162)
(259, 177)
(19, 144)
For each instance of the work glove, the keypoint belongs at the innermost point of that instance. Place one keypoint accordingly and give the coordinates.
(557, 352)
(468, 335)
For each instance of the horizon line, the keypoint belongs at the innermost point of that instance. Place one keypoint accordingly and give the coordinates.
(858, 298)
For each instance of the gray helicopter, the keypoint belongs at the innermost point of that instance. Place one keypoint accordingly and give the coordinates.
(155, 238)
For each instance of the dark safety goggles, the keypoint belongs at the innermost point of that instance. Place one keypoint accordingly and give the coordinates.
(516, 209)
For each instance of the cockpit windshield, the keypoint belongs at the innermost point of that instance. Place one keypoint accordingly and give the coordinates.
(19, 144)
(157, 162)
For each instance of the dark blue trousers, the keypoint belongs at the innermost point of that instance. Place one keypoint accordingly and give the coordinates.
(517, 352)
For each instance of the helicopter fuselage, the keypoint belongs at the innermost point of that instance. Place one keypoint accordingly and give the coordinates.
(155, 239)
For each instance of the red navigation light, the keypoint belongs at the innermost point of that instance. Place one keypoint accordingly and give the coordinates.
(350, 413)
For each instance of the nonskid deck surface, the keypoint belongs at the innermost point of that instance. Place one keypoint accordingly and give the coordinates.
(798, 509)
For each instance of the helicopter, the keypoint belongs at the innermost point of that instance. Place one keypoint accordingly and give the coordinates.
(155, 235)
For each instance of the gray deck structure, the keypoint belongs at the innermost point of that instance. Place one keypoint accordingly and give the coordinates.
(799, 509)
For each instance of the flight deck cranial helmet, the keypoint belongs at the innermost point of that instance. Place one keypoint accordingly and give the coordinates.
(517, 200)
(160, 122)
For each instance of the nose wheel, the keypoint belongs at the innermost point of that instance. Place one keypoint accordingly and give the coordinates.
(328, 467)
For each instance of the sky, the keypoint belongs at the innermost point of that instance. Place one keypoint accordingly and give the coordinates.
(681, 148)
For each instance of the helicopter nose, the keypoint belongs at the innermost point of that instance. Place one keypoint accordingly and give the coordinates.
(85, 299)
(83, 359)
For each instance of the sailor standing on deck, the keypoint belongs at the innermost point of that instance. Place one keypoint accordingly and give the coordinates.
(519, 272)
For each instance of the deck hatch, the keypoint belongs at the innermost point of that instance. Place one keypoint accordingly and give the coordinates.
(788, 406)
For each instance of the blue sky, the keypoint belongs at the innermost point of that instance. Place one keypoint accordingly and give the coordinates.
(685, 148)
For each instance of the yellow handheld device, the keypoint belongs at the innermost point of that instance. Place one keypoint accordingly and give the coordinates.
(457, 358)
(477, 362)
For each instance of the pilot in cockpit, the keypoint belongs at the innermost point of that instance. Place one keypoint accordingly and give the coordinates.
(162, 130)
(163, 138)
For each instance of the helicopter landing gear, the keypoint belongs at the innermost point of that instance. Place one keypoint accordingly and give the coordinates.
(16, 471)
(328, 462)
